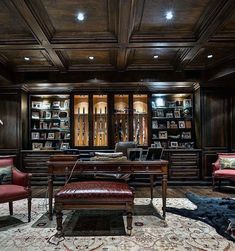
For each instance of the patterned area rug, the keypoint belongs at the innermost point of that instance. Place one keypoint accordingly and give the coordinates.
(149, 232)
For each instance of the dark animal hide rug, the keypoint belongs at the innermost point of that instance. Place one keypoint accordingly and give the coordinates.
(217, 212)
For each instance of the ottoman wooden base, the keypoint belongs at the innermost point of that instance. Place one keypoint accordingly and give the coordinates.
(94, 195)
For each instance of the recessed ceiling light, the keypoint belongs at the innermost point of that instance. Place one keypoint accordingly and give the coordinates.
(155, 56)
(80, 16)
(91, 57)
(169, 15)
(26, 58)
(210, 56)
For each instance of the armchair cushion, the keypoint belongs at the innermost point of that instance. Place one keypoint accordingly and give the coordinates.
(5, 175)
(6, 170)
(13, 192)
(227, 163)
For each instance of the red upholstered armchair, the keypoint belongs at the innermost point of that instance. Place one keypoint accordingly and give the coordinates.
(219, 172)
(14, 184)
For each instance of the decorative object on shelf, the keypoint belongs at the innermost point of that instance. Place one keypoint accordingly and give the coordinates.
(169, 115)
(51, 135)
(173, 125)
(157, 144)
(154, 124)
(171, 104)
(186, 135)
(35, 115)
(177, 113)
(67, 135)
(48, 144)
(187, 103)
(181, 124)
(47, 115)
(36, 104)
(64, 146)
(46, 105)
(162, 134)
(56, 104)
(55, 114)
(37, 146)
(63, 114)
(173, 144)
(160, 113)
(188, 124)
(35, 135)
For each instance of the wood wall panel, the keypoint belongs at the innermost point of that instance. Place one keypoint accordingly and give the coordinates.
(215, 121)
(233, 123)
(9, 115)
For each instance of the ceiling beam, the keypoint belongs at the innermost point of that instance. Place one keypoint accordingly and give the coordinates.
(38, 29)
(212, 19)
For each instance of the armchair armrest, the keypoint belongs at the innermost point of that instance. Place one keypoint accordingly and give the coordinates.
(21, 179)
(216, 165)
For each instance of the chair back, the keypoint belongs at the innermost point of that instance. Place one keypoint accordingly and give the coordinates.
(123, 146)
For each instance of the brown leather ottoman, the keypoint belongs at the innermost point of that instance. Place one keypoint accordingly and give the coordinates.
(94, 195)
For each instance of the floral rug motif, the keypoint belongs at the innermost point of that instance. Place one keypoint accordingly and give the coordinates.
(149, 233)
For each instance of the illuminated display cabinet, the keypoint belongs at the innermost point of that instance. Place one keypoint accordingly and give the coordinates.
(172, 121)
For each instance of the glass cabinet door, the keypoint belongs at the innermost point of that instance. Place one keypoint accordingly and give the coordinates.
(100, 119)
(121, 118)
(140, 119)
(81, 123)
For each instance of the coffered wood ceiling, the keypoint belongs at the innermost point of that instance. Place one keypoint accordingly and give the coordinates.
(121, 35)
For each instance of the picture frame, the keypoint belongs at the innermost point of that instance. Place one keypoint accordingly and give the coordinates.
(55, 125)
(67, 135)
(154, 124)
(37, 104)
(55, 114)
(186, 135)
(174, 144)
(63, 114)
(35, 115)
(66, 104)
(181, 124)
(64, 146)
(47, 115)
(48, 144)
(169, 115)
(46, 105)
(171, 104)
(37, 146)
(64, 124)
(56, 104)
(51, 135)
(162, 134)
(160, 113)
(187, 103)
(157, 144)
(177, 113)
(35, 135)
(188, 124)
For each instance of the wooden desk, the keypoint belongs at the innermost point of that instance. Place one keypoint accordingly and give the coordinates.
(116, 167)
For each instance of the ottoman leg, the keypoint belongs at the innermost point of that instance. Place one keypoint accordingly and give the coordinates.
(59, 218)
(129, 223)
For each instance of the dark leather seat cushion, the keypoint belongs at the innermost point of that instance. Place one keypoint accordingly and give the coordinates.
(96, 190)
(13, 192)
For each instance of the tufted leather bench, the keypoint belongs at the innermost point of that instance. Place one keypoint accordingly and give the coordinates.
(95, 195)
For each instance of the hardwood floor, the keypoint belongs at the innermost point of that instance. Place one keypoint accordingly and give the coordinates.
(172, 191)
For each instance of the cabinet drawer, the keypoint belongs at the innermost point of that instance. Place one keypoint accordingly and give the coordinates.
(184, 173)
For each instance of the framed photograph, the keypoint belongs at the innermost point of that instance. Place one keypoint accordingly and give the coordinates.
(43, 135)
(56, 104)
(47, 115)
(51, 135)
(171, 104)
(169, 115)
(64, 146)
(48, 144)
(154, 124)
(66, 104)
(35, 135)
(179, 103)
(64, 124)
(177, 113)
(186, 135)
(37, 146)
(67, 135)
(35, 115)
(36, 104)
(63, 114)
(181, 124)
(162, 134)
(160, 113)
(46, 105)
(157, 144)
(187, 103)
(55, 114)
(173, 144)
(188, 124)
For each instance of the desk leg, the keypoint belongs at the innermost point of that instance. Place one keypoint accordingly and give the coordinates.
(164, 189)
(50, 195)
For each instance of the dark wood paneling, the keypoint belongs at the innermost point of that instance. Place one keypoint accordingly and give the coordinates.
(208, 158)
(215, 121)
(232, 138)
(9, 115)
(197, 118)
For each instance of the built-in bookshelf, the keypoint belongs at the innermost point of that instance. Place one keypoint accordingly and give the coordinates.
(49, 122)
(172, 121)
